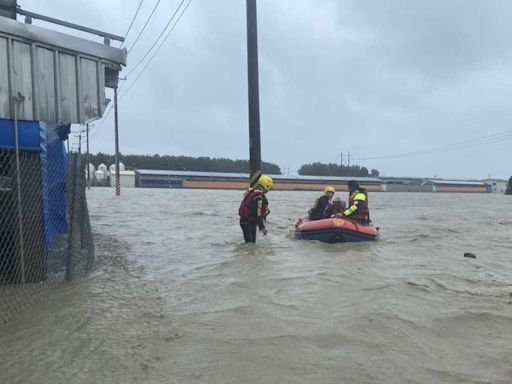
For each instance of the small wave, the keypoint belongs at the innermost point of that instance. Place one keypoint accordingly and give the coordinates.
(417, 285)
(378, 288)
(479, 288)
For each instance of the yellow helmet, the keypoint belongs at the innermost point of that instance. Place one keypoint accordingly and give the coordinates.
(265, 182)
(329, 189)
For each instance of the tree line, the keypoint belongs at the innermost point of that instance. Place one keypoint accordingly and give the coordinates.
(509, 187)
(208, 164)
(332, 169)
(181, 163)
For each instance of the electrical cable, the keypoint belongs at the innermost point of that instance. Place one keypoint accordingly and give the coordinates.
(156, 40)
(131, 23)
(144, 27)
(156, 51)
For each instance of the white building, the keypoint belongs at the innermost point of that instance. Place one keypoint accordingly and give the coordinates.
(113, 168)
(91, 169)
(102, 167)
(126, 178)
(100, 175)
(497, 185)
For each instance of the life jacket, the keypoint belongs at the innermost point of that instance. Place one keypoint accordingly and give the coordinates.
(363, 213)
(246, 209)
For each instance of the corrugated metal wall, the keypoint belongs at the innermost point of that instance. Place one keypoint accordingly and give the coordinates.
(49, 84)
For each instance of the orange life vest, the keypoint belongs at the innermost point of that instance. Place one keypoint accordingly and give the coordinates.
(246, 212)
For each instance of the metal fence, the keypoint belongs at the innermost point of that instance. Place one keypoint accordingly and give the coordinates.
(45, 232)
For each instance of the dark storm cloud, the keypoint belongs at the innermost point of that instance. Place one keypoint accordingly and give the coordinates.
(370, 77)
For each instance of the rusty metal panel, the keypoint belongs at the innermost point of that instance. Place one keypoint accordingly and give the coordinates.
(68, 89)
(22, 80)
(45, 80)
(90, 86)
(5, 104)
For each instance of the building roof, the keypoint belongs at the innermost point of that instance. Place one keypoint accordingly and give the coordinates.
(123, 173)
(326, 179)
(455, 182)
(495, 181)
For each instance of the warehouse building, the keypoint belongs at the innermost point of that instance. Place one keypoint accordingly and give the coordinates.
(457, 186)
(216, 180)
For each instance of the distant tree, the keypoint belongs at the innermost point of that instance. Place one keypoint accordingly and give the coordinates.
(509, 187)
(181, 163)
(320, 169)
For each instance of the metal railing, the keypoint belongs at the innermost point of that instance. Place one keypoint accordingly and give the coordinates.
(45, 232)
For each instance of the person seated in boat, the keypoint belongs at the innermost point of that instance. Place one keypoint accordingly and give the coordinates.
(357, 204)
(319, 210)
(337, 208)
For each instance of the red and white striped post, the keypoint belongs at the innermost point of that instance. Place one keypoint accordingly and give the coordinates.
(116, 127)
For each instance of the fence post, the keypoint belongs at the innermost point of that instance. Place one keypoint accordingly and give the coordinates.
(70, 267)
(18, 189)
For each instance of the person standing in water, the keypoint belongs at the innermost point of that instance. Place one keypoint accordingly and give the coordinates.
(254, 209)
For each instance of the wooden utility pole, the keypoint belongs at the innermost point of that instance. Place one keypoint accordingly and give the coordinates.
(254, 102)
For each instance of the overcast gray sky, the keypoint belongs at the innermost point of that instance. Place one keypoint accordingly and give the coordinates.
(373, 78)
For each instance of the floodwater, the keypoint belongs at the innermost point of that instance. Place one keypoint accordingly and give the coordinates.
(175, 297)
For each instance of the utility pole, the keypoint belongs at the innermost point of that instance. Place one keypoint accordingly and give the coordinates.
(341, 158)
(87, 157)
(80, 142)
(348, 159)
(254, 102)
(116, 128)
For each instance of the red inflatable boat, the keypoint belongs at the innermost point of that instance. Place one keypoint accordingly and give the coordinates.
(336, 230)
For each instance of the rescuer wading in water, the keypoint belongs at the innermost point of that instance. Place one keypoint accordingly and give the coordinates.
(254, 209)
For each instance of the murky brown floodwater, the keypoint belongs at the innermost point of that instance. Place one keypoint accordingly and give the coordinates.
(176, 298)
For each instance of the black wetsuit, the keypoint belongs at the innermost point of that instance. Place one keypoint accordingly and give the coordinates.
(258, 211)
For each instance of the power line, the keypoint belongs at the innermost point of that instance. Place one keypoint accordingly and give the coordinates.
(156, 51)
(156, 40)
(131, 23)
(496, 137)
(100, 124)
(144, 27)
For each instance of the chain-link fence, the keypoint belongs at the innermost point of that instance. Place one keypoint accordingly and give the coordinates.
(45, 232)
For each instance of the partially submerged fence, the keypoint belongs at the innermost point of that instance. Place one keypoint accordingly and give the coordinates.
(45, 232)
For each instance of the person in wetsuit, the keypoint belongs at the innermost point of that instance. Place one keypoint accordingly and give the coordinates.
(254, 209)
